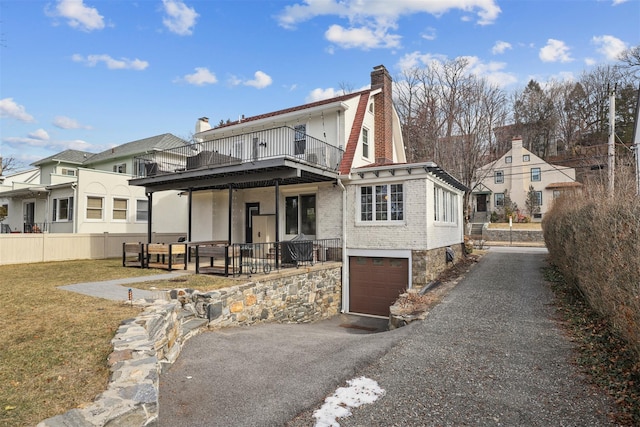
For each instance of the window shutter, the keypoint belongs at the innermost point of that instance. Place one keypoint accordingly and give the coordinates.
(70, 208)
(55, 207)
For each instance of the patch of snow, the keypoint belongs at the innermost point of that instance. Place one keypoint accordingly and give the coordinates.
(359, 392)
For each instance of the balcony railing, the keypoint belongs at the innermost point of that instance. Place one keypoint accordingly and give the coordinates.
(239, 149)
(262, 258)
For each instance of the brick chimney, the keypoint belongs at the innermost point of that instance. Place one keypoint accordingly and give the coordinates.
(383, 114)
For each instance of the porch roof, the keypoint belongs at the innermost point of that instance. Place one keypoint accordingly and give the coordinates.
(26, 192)
(261, 173)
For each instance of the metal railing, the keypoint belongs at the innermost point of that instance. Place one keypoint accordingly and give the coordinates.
(40, 227)
(238, 149)
(262, 258)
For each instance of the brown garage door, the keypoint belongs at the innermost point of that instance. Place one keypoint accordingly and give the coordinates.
(375, 283)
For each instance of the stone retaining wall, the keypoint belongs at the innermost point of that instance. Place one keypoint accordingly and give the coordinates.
(291, 296)
(144, 346)
(504, 235)
(427, 265)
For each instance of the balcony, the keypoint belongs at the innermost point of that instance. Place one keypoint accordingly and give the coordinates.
(249, 158)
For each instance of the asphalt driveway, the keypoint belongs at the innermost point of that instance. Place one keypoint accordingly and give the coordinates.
(267, 374)
(490, 354)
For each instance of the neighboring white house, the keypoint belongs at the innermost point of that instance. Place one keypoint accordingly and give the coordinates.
(513, 174)
(332, 169)
(80, 192)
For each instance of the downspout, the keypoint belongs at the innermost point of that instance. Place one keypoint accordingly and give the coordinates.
(277, 189)
(190, 202)
(75, 217)
(150, 214)
(229, 229)
(345, 272)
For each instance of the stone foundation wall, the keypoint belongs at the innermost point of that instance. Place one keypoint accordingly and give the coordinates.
(502, 235)
(427, 265)
(292, 296)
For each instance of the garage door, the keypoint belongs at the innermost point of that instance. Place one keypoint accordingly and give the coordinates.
(375, 283)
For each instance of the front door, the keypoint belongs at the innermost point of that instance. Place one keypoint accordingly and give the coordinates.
(29, 216)
(250, 210)
(481, 202)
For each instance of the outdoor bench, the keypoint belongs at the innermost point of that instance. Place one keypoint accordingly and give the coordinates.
(166, 255)
(133, 255)
(215, 251)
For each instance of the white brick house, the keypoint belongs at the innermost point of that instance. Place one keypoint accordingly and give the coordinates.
(333, 169)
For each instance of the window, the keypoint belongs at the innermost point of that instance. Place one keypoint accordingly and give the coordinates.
(121, 168)
(499, 199)
(142, 210)
(536, 174)
(120, 209)
(445, 205)
(525, 157)
(538, 198)
(365, 143)
(68, 172)
(508, 159)
(499, 177)
(300, 139)
(94, 207)
(382, 203)
(300, 215)
(63, 209)
(139, 167)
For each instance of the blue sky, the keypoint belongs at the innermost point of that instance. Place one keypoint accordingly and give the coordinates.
(92, 74)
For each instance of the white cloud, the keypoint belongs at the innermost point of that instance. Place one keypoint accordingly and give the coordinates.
(590, 61)
(9, 109)
(260, 81)
(494, 72)
(371, 21)
(364, 38)
(180, 18)
(111, 63)
(201, 77)
(39, 134)
(500, 47)
(78, 15)
(617, 2)
(321, 94)
(609, 46)
(555, 51)
(384, 12)
(429, 34)
(41, 139)
(417, 59)
(63, 122)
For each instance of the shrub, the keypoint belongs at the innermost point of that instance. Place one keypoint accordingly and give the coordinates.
(595, 242)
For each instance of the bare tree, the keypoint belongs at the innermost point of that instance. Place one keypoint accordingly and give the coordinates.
(631, 58)
(448, 116)
(9, 164)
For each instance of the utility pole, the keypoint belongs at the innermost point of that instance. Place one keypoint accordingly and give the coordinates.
(611, 151)
(636, 143)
